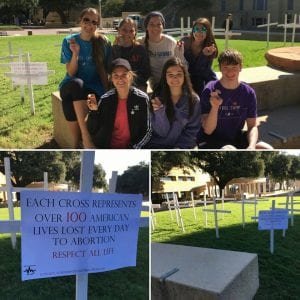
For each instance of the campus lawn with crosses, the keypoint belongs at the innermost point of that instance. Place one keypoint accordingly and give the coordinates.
(128, 283)
(279, 273)
(19, 129)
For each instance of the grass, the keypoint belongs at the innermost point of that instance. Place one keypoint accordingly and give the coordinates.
(10, 27)
(279, 274)
(127, 283)
(19, 129)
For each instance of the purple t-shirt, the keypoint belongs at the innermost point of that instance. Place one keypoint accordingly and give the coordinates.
(238, 105)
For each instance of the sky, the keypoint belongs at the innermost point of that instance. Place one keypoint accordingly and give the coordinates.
(120, 160)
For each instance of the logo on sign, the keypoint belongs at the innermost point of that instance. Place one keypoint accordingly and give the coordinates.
(29, 270)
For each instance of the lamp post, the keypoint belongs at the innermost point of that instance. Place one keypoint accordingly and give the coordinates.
(100, 14)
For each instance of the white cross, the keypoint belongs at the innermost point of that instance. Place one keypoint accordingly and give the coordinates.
(268, 25)
(216, 211)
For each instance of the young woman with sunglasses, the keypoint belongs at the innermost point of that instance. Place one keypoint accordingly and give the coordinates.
(200, 49)
(86, 55)
(126, 46)
(176, 115)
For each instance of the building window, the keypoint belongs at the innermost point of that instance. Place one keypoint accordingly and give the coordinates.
(181, 178)
(190, 178)
(168, 178)
(223, 5)
(290, 5)
(258, 21)
(241, 5)
(260, 4)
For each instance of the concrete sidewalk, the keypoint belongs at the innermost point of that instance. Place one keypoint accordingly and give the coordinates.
(40, 31)
(281, 127)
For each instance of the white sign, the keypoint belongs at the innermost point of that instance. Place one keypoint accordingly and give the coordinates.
(36, 71)
(67, 233)
(273, 219)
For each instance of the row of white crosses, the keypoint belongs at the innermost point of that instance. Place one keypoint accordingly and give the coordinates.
(12, 226)
(26, 74)
(285, 26)
(289, 205)
(217, 31)
(175, 205)
(254, 201)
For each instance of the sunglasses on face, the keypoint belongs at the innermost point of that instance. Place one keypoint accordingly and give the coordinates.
(88, 21)
(199, 29)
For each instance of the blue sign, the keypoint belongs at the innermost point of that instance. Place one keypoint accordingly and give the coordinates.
(67, 233)
(273, 219)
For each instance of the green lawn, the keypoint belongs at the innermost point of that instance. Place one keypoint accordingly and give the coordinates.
(127, 283)
(19, 129)
(279, 274)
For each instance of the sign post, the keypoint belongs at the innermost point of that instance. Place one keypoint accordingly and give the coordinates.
(271, 220)
(86, 184)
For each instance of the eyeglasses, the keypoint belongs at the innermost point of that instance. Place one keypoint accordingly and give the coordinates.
(88, 21)
(199, 29)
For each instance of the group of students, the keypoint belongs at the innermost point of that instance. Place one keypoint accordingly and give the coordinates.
(188, 106)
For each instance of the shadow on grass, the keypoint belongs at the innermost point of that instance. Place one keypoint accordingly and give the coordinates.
(51, 144)
(127, 283)
(279, 274)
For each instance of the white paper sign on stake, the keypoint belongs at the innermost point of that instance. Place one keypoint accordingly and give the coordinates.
(67, 233)
(37, 71)
(273, 219)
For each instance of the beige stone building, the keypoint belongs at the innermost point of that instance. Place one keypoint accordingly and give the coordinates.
(184, 183)
(247, 14)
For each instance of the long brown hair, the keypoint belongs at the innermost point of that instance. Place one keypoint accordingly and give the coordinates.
(187, 89)
(210, 39)
(99, 42)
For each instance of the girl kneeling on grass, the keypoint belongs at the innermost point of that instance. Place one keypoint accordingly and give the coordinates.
(176, 112)
(122, 118)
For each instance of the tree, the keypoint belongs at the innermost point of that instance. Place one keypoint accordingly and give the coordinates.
(222, 166)
(135, 180)
(25, 8)
(112, 8)
(29, 166)
(163, 161)
(73, 164)
(279, 168)
(99, 180)
(294, 171)
(62, 166)
(62, 7)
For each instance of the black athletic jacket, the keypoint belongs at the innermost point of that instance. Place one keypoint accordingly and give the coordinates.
(100, 123)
